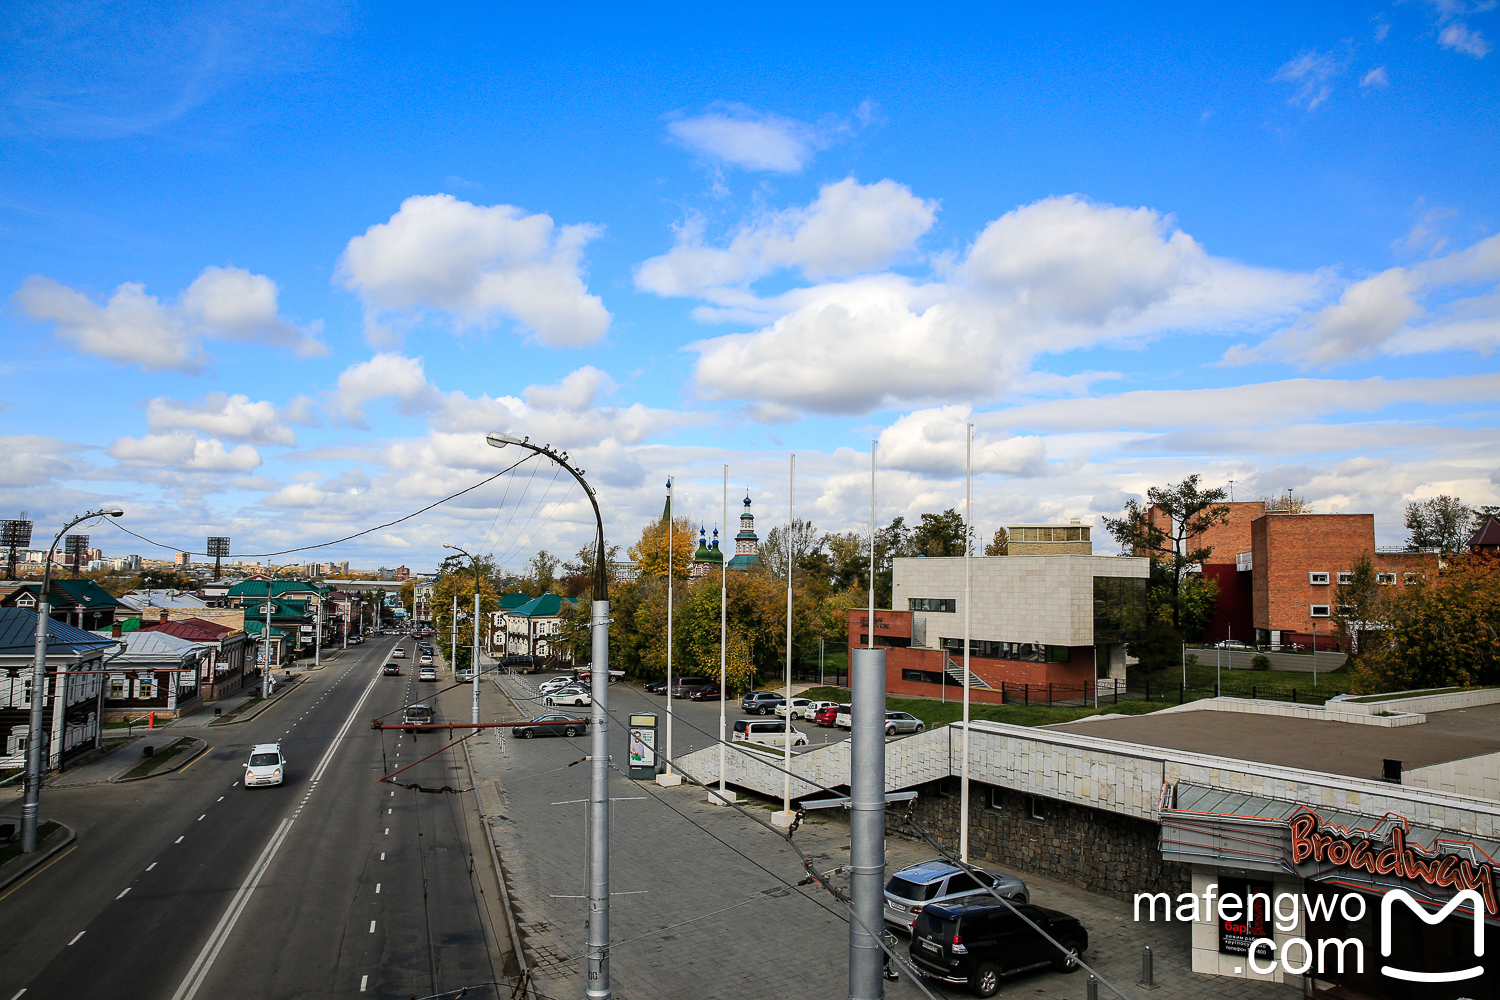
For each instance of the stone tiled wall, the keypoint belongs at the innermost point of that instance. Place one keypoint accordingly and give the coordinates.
(1476, 776)
(1091, 848)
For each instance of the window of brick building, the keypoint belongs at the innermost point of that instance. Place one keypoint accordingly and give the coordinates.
(1318, 610)
(1318, 579)
(1386, 579)
(1345, 579)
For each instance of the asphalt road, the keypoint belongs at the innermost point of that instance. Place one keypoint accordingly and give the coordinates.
(189, 885)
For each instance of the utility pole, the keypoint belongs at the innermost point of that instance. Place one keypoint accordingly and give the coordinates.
(723, 640)
(867, 800)
(268, 683)
(474, 657)
(669, 779)
(963, 785)
(784, 818)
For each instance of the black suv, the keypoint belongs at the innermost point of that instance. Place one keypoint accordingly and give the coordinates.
(975, 945)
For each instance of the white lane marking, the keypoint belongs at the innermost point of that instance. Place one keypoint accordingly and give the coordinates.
(122, 892)
(235, 785)
(382, 855)
(377, 888)
(200, 818)
(76, 937)
(18, 995)
(219, 799)
(216, 941)
(362, 981)
(393, 795)
(178, 840)
(151, 866)
(372, 927)
(387, 831)
(389, 811)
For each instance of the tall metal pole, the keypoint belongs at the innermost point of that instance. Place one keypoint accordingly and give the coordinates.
(474, 658)
(1315, 654)
(723, 634)
(598, 987)
(453, 642)
(786, 741)
(268, 683)
(867, 823)
(671, 559)
(318, 635)
(963, 784)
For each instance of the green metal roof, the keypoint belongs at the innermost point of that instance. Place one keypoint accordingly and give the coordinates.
(254, 626)
(251, 590)
(546, 606)
(514, 600)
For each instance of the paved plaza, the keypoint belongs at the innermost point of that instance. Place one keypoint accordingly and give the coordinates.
(705, 902)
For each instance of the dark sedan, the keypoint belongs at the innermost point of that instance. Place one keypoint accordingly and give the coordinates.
(552, 725)
(657, 687)
(710, 693)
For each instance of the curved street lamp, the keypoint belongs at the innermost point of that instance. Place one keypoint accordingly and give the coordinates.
(598, 938)
(31, 806)
(474, 654)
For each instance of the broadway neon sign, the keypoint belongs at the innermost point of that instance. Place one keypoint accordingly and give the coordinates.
(1312, 841)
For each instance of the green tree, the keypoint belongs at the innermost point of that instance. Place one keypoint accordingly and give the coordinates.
(650, 553)
(805, 542)
(541, 573)
(939, 535)
(1443, 523)
(999, 545)
(578, 572)
(1163, 531)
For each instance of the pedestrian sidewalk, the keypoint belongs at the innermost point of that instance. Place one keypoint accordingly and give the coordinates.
(103, 768)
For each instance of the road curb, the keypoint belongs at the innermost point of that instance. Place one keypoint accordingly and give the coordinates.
(39, 858)
(197, 752)
(285, 687)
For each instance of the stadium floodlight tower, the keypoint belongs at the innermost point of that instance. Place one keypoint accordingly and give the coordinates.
(598, 847)
(218, 547)
(31, 803)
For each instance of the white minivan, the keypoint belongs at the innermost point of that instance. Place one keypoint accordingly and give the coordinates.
(768, 733)
(266, 765)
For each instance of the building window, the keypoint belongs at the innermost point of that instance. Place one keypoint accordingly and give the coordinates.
(1345, 610)
(997, 798)
(1411, 578)
(26, 601)
(1028, 652)
(1345, 579)
(116, 686)
(1385, 579)
(1072, 534)
(1318, 611)
(922, 676)
(947, 604)
(1035, 805)
(1318, 579)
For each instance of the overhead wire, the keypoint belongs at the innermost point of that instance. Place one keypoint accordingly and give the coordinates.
(336, 541)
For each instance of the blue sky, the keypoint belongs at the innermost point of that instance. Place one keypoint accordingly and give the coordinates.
(273, 271)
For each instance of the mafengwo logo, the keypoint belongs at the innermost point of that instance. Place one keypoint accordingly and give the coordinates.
(1469, 896)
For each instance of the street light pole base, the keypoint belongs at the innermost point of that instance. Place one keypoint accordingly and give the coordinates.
(783, 819)
(725, 798)
(669, 780)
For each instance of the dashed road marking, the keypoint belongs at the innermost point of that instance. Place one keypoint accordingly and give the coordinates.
(372, 929)
(219, 799)
(387, 831)
(377, 888)
(151, 866)
(200, 818)
(123, 892)
(177, 841)
(382, 855)
(362, 981)
(79, 935)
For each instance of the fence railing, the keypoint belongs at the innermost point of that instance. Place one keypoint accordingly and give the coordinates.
(1180, 693)
(1108, 691)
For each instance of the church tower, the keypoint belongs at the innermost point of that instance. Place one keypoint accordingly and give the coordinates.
(747, 542)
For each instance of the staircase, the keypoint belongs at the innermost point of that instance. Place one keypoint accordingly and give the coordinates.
(956, 671)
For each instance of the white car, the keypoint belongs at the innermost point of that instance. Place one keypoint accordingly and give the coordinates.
(553, 684)
(465, 676)
(799, 708)
(1233, 644)
(570, 696)
(266, 766)
(814, 707)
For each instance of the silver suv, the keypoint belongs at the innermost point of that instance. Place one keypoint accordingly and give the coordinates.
(918, 886)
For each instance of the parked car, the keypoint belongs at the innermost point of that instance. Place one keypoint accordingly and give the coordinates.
(1232, 644)
(974, 945)
(553, 684)
(798, 709)
(427, 674)
(574, 695)
(814, 707)
(392, 670)
(657, 687)
(760, 702)
(845, 717)
(684, 686)
(825, 716)
(914, 888)
(552, 725)
(902, 722)
(464, 676)
(768, 733)
(266, 766)
(710, 693)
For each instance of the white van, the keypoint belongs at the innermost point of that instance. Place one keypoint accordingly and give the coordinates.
(768, 733)
(266, 765)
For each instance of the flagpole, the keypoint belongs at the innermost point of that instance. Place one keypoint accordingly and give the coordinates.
(963, 797)
(723, 632)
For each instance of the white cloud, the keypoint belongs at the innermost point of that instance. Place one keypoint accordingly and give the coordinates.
(134, 328)
(185, 451)
(386, 375)
(1461, 38)
(851, 228)
(749, 139)
(1056, 275)
(34, 460)
(1312, 72)
(234, 417)
(932, 441)
(576, 391)
(478, 265)
(1375, 78)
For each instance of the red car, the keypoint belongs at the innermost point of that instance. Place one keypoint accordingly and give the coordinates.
(826, 716)
(710, 693)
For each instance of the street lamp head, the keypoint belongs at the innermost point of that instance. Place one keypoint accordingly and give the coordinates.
(112, 511)
(498, 440)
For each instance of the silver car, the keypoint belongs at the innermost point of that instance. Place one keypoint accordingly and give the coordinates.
(902, 722)
(918, 886)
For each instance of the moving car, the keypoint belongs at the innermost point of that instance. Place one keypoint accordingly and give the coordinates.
(392, 670)
(902, 722)
(914, 888)
(760, 702)
(399, 652)
(266, 766)
(552, 725)
(464, 676)
(576, 695)
(416, 715)
(427, 674)
(798, 709)
(974, 945)
(425, 658)
(768, 733)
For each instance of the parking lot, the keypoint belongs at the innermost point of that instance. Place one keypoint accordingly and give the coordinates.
(706, 902)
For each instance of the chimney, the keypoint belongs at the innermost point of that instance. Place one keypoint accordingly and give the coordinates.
(114, 631)
(164, 614)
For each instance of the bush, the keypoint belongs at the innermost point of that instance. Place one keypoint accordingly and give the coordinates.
(1192, 659)
(1260, 663)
